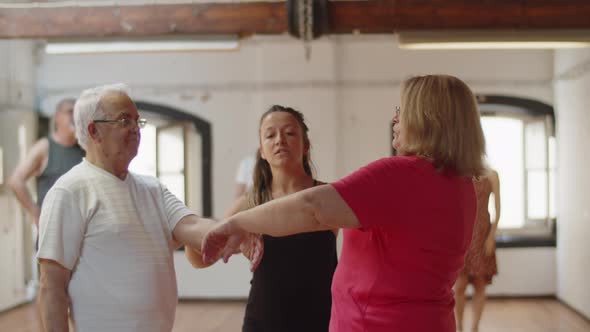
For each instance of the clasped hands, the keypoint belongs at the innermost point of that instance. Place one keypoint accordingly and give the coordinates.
(225, 239)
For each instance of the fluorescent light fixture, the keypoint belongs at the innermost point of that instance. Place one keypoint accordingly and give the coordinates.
(502, 39)
(493, 45)
(174, 44)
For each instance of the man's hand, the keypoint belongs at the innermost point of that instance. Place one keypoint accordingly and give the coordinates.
(32, 165)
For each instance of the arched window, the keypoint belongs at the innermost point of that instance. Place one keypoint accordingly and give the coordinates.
(520, 144)
(176, 148)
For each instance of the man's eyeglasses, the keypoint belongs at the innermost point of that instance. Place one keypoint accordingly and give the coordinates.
(125, 122)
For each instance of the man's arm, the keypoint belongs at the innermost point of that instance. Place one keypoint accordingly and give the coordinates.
(190, 231)
(29, 167)
(193, 254)
(53, 295)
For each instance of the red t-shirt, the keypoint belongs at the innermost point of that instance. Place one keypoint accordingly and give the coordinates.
(397, 271)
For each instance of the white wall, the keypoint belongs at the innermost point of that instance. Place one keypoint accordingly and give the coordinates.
(525, 272)
(572, 87)
(229, 89)
(232, 280)
(347, 92)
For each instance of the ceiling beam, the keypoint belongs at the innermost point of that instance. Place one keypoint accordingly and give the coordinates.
(145, 20)
(390, 16)
(245, 18)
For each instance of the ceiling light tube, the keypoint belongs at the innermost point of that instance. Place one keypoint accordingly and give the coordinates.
(174, 44)
(503, 39)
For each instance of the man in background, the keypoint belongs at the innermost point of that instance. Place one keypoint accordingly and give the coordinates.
(49, 158)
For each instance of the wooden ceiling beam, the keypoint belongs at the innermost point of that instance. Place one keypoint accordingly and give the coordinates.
(147, 20)
(381, 16)
(390, 16)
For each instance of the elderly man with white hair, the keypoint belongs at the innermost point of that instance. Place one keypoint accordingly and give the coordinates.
(108, 235)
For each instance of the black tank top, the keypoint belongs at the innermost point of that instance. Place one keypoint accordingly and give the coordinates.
(60, 159)
(291, 287)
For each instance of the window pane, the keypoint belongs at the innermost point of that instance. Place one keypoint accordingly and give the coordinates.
(552, 190)
(171, 149)
(537, 194)
(174, 183)
(194, 170)
(1, 167)
(492, 208)
(145, 161)
(552, 152)
(504, 146)
(552, 178)
(536, 150)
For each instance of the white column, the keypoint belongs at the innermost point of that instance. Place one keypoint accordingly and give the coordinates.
(17, 133)
(572, 69)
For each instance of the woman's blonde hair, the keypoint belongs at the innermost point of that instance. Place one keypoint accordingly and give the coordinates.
(441, 123)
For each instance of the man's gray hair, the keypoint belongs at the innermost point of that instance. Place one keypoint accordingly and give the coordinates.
(62, 103)
(88, 109)
(59, 108)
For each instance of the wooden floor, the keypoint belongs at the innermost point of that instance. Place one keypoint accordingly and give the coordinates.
(500, 315)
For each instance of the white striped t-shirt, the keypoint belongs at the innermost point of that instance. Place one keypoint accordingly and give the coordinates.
(116, 237)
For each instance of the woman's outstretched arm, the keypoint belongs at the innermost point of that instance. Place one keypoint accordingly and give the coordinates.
(313, 209)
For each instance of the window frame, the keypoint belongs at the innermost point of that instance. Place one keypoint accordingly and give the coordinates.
(204, 129)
